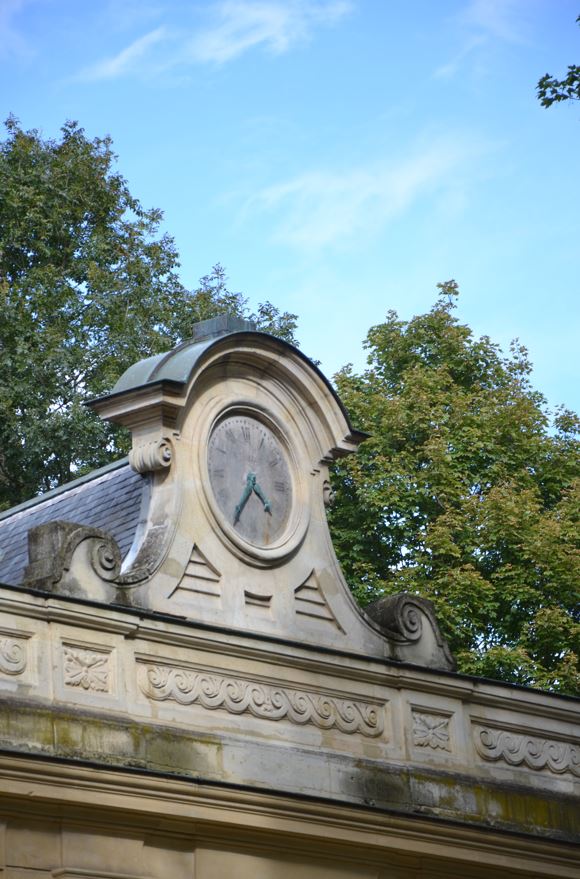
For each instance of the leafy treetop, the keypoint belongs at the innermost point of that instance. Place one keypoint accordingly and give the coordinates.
(464, 494)
(88, 286)
(553, 91)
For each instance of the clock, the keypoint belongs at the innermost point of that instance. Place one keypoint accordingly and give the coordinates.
(251, 479)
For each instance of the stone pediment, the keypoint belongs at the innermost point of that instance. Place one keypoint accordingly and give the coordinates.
(233, 434)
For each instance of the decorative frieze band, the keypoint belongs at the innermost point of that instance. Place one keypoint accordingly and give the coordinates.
(12, 656)
(239, 696)
(517, 748)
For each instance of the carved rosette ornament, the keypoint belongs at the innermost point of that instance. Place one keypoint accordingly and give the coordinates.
(431, 731)
(86, 669)
(239, 696)
(12, 656)
(535, 752)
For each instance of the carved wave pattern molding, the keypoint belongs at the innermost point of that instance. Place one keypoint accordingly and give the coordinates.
(536, 753)
(238, 696)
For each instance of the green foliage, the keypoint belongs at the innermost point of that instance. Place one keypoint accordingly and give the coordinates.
(464, 494)
(553, 91)
(88, 286)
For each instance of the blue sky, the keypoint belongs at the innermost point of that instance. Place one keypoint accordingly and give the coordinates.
(338, 157)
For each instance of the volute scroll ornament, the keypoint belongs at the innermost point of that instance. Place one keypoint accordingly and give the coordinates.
(52, 548)
(409, 622)
(56, 551)
(151, 456)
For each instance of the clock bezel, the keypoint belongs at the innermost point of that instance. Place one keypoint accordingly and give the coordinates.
(293, 534)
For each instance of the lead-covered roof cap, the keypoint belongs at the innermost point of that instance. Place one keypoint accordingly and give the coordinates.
(173, 371)
(177, 365)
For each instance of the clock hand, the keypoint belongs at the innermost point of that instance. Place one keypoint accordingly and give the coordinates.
(262, 496)
(250, 483)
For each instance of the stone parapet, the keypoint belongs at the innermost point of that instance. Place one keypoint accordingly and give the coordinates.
(115, 688)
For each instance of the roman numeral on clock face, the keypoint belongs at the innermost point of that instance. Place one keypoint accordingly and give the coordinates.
(280, 486)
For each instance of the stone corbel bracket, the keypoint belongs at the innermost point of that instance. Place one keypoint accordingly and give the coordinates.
(73, 559)
(410, 625)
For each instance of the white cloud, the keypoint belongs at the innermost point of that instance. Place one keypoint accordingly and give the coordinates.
(501, 19)
(237, 26)
(125, 61)
(242, 25)
(452, 67)
(480, 24)
(323, 208)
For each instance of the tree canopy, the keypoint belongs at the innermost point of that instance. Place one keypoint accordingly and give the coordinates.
(466, 494)
(554, 91)
(88, 285)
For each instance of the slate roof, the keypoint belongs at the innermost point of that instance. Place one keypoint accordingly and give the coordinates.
(109, 498)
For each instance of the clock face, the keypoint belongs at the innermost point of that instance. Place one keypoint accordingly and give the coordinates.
(249, 474)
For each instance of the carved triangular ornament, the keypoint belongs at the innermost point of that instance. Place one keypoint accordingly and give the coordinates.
(310, 602)
(199, 576)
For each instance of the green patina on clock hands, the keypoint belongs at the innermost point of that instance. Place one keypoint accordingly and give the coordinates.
(263, 498)
(251, 486)
(250, 482)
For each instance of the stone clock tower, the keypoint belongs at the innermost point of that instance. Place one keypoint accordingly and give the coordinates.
(188, 688)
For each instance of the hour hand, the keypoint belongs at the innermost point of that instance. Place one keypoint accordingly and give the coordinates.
(250, 483)
(263, 498)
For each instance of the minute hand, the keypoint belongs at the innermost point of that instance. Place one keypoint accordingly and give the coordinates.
(250, 484)
(263, 498)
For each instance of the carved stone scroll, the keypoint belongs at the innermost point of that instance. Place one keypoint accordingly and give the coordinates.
(151, 456)
(12, 656)
(52, 547)
(239, 696)
(55, 547)
(536, 753)
(409, 623)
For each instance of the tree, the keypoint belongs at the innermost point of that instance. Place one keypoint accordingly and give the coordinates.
(87, 287)
(553, 91)
(464, 494)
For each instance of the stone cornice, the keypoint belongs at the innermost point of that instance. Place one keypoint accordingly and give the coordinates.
(257, 819)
